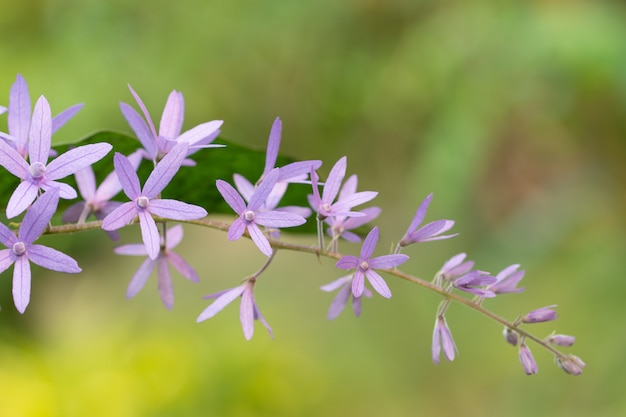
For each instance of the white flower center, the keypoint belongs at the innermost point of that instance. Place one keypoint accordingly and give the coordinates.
(37, 170)
(326, 207)
(364, 265)
(19, 248)
(248, 215)
(143, 202)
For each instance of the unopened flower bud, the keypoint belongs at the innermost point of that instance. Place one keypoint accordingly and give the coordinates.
(561, 340)
(571, 364)
(540, 315)
(527, 360)
(510, 336)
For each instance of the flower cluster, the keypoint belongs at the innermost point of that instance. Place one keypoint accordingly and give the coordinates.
(25, 152)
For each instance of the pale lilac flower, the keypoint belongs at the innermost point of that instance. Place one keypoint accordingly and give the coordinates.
(561, 340)
(340, 226)
(452, 269)
(166, 255)
(3, 109)
(156, 146)
(344, 284)
(40, 174)
(21, 250)
(365, 266)
(251, 216)
(326, 206)
(442, 336)
(473, 283)
(527, 360)
(248, 310)
(97, 200)
(571, 364)
(540, 315)
(507, 280)
(146, 202)
(19, 120)
(428, 232)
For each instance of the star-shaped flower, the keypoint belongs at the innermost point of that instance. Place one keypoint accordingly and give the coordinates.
(507, 280)
(326, 206)
(251, 216)
(365, 266)
(158, 145)
(173, 236)
(248, 310)
(428, 232)
(40, 174)
(97, 200)
(19, 120)
(21, 249)
(145, 201)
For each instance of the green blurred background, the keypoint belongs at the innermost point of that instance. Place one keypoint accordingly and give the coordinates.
(513, 114)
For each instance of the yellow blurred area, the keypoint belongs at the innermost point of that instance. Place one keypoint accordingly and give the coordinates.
(513, 113)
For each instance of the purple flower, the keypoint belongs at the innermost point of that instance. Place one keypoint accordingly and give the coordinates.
(473, 281)
(146, 202)
(251, 216)
(430, 231)
(248, 311)
(3, 109)
(507, 280)
(540, 315)
(365, 266)
(340, 226)
(39, 174)
(453, 268)
(571, 364)
(21, 249)
(442, 336)
(325, 205)
(173, 236)
(561, 340)
(527, 360)
(344, 284)
(158, 145)
(293, 172)
(19, 120)
(96, 200)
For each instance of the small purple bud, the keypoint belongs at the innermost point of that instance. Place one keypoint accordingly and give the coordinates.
(540, 315)
(571, 364)
(510, 336)
(561, 340)
(527, 360)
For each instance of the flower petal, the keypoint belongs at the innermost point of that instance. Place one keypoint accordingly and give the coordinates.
(246, 311)
(120, 217)
(140, 277)
(166, 291)
(86, 182)
(348, 262)
(388, 261)
(259, 239)
(236, 229)
(358, 283)
(52, 259)
(197, 135)
(141, 129)
(231, 196)
(7, 237)
(149, 233)
(38, 216)
(19, 109)
(172, 117)
(165, 171)
(339, 302)
(220, 302)
(127, 176)
(22, 197)
(12, 161)
(273, 144)
(182, 266)
(333, 182)
(369, 244)
(176, 210)
(278, 219)
(21, 283)
(40, 135)
(60, 119)
(76, 159)
(263, 190)
(378, 283)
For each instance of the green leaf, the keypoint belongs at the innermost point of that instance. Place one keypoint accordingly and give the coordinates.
(194, 185)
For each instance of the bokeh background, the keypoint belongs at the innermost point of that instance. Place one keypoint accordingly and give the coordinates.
(513, 114)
